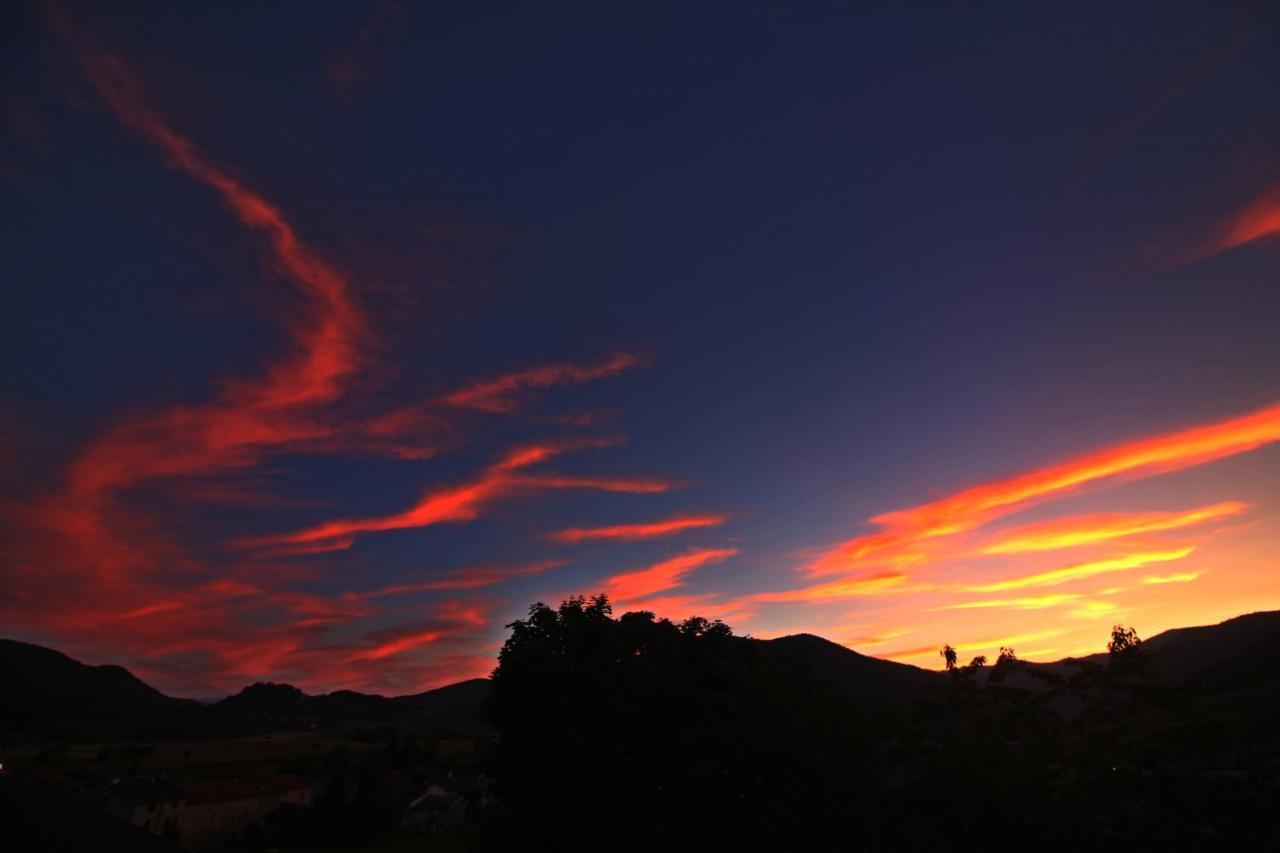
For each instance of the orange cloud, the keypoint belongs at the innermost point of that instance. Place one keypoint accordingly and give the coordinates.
(660, 577)
(505, 393)
(1035, 602)
(880, 584)
(905, 532)
(667, 527)
(1083, 570)
(1091, 529)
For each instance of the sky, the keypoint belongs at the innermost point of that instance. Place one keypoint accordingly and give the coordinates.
(336, 335)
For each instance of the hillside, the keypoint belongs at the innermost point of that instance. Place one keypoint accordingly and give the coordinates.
(44, 688)
(859, 679)
(457, 706)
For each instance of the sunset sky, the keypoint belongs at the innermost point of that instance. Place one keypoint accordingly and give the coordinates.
(333, 338)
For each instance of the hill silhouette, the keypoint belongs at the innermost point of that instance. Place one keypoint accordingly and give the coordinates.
(46, 689)
(856, 678)
(49, 693)
(456, 705)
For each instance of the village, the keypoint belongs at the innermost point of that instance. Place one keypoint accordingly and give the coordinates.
(281, 791)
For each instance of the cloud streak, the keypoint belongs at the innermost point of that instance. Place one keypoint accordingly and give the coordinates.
(465, 502)
(1092, 529)
(630, 532)
(905, 534)
(630, 587)
(1083, 570)
(1258, 221)
(506, 393)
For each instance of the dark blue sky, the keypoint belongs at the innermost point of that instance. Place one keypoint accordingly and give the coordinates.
(867, 257)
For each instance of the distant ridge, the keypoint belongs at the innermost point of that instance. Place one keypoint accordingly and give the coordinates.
(457, 705)
(862, 680)
(43, 687)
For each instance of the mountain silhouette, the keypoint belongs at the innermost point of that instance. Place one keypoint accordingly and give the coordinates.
(46, 691)
(1238, 652)
(455, 705)
(857, 678)
(44, 688)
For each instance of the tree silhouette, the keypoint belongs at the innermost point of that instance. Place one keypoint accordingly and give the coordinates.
(1123, 641)
(949, 656)
(1006, 660)
(665, 725)
(978, 662)
(1125, 650)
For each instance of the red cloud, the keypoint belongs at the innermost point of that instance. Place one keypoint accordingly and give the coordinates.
(504, 393)
(473, 578)
(464, 502)
(1259, 220)
(660, 577)
(669, 526)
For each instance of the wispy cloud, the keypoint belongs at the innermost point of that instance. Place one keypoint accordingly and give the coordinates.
(1035, 602)
(505, 393)
(1176, 577)
(906, 534)
(1261, 219)
(361, 65)
(1092, 529)
(661, 577)
(1083, 570)
(452, 504)
(624, 532)
(466, 579)
(878, 584)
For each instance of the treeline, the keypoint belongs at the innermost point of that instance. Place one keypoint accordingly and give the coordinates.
(635, 733)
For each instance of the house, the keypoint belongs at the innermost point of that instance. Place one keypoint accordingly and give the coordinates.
(35, 815)
(438, 810)
(472, 786)
(148, 802)
(290, 789)
(219, 810)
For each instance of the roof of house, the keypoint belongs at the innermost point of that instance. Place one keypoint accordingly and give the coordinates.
(146, 789)
(283, 782)
(434, 802)
(220, 791)
(467, 783)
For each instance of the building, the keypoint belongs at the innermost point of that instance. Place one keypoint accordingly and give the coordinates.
(148, 802)
(438, 810)
(218, 810)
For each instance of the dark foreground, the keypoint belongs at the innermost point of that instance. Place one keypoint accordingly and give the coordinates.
(630, 733)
